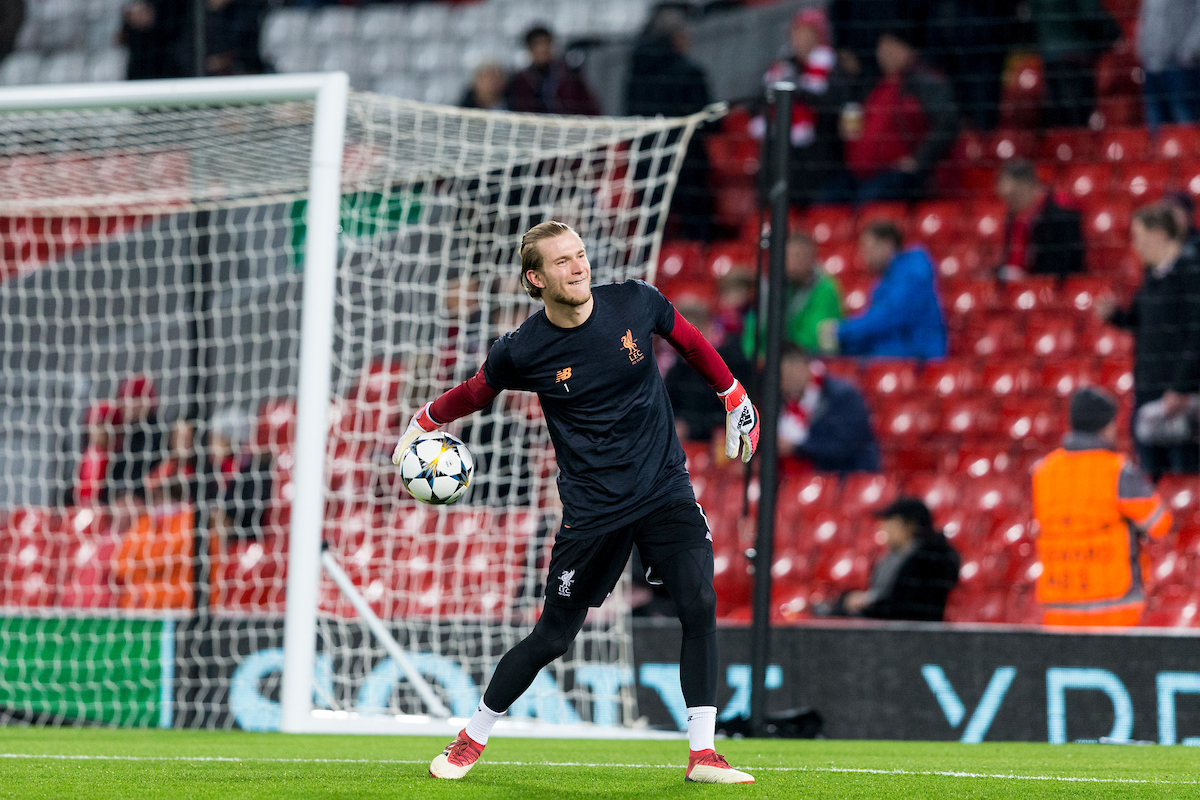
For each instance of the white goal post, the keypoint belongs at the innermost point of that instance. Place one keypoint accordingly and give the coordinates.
(372, 243)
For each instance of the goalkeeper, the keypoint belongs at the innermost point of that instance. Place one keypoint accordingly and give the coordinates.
(621, 474)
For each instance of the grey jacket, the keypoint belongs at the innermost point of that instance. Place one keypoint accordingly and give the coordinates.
(1168, 34)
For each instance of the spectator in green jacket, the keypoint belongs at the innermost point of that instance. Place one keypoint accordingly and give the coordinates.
(812, 297)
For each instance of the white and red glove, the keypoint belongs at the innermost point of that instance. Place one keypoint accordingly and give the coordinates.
(741, 422)
(420, 423)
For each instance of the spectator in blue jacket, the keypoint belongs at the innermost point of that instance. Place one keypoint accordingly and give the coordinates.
(823, 421)
(904, 319)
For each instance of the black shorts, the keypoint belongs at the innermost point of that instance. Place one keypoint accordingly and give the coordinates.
(583, 571)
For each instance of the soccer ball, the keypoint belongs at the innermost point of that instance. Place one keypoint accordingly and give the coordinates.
(437, 468)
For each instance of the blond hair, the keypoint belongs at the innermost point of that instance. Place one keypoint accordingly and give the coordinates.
(531, 254)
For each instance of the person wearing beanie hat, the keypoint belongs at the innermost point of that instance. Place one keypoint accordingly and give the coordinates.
(1094, 508)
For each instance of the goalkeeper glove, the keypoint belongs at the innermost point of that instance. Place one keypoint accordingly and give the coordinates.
(420, 423)
(741, 422)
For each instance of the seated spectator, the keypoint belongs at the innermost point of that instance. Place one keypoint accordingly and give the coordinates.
(823, 423)
(1093, 508)
(154, 560)
(1168, 44)
(141, 444)
(1041, 237)
(549, 85)
(817, 169)
(231, 38)
(1165, 320)
(916, 576)
(174, 480)
(238, 489)
(812, 297)
(1070, 35)
(699, 412)
(97, 464)
(487, 88)
(735, 298)
(908, 123)
(904, 318)
(663, 80)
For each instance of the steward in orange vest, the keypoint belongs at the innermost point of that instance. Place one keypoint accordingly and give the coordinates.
(1092, 508)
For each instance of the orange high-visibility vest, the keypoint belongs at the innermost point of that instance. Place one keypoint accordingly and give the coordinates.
(1086, 543)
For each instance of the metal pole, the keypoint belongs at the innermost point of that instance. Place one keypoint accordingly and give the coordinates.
(199, 31)
(760, 642)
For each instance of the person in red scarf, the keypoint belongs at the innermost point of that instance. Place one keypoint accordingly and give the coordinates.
(824, 423)
(816, 164)
(97, 462)
(908, 123)
(1041, 236)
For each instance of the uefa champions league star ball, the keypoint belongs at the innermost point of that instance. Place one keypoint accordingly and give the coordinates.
(437, 468)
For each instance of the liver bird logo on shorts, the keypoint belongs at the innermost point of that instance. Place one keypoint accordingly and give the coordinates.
(565, 581)
(630, 344)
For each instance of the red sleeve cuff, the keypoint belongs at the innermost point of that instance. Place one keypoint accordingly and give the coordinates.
(468, 397)
(701, 355)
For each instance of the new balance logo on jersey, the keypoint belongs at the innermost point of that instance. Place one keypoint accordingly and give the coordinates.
(630, 344)
(565, 581)
(562, 375)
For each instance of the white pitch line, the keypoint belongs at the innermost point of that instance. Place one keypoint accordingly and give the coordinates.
(852, 770)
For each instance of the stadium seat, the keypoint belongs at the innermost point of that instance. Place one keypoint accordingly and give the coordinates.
(891, 211)
(1065, 376)
(1181, 493)
(951, 377)
(1106, 342)
(1144, 181)
(1188, 177)
(1050, 336)
(974, 419)
(983, 459)
(732, 157)
(842, 260)
(986, 605)
(250, 576)
(1172, 607)
(733, 205)
(830, 223)
(804, 495)
(1021, 606)
(905, 421)
(863, 493)
(1021, 92)
(937, 223)
(1009, 144)
(938, 492)
(1176, 141)
(856, 292)
(992, 495)
(1116, 375)
(1124, 144)
(963, 297)
(1032, 294)
(1106, 224)
(1067, 145)
(732, 579)
(276, 427)
(1086, 184)
(962, 259)
(913, 457)
(889, 377)
(844, 368)
(994, 337)
(842, 571)
(699, 456)
(1031, 422)
(29, 558)
(723, 258)
(1081, 292)
(86, 559)
(986, 223)
(681, 260)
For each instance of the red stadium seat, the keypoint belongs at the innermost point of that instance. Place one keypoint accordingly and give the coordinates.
(984, 459)
(914, 457)
(1174, 607)
(969, 297)
(1081, 292)
(963, 259)
(1064, 377)
(843, 571)
(733, 157)
(994, 337)
(732, 579)
(1176, 141)
(250, 576)
(863, 493)
(1032, 422)
(972, 418)
(30, 558)
(1086, 184)
(1032, 294)
(906, 421)
(1106, 224)
(937, 223)
(844, 368)
(1181, 493)
(1067, 145)
(723, 258)
(1188, 173)
(1106, 342)
(276, 428)
(86, 560)
(1116, 375)
(1124, 144)
(889, 377)
(824, 531)
(993, 495)
(1050, 336)
(830, 223)
(808, 494)
(895, 212)
(1145, 181)
(938, 492)
(733, 205)
(986, 223)
(681, 260)
(856, 292)
(952, 377)
(1010, 144)
(842, 259)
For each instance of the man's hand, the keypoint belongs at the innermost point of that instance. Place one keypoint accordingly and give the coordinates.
(741, 423)
(827, 335)
(856, 601)
(1173, 403)
(420, 423)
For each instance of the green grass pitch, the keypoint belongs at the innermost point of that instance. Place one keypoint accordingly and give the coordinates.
(100, 763)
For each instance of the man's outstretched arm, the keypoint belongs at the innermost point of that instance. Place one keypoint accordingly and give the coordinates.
(468, 397)
(741, 417)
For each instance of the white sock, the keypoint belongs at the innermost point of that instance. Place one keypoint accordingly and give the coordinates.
(481, 722)
(702, 727)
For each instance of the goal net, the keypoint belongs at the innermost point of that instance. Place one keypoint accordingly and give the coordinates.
(153, 310)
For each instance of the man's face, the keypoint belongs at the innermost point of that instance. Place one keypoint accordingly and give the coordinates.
(541, 50)
(794, 376)
(220, 447)
(893, 55)
(801, 259)
(1017, 195)
(876, 253)
(1150, 244)
(804, 39)
(565, 276)
(897, 532)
